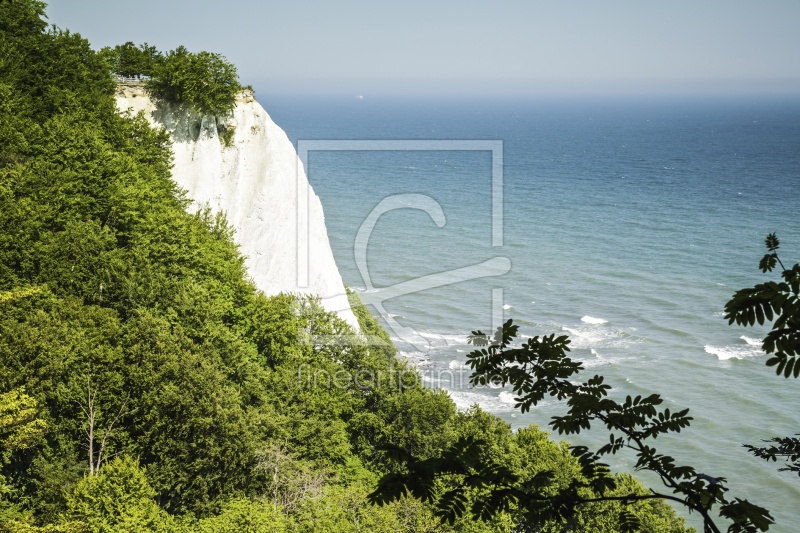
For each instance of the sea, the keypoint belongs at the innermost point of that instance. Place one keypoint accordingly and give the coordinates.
(623, 222)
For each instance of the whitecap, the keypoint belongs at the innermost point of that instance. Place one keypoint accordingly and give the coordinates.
(597, 360)
(493, 404)
(507, 397)
(724, 353)
(594, 321)
(590, 336)
(750, 341)
(507, 307)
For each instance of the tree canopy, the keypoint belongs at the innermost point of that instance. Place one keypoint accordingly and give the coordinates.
(204, 81)
(131, 61)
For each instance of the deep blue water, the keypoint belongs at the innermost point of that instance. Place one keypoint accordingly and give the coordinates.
(628, 224)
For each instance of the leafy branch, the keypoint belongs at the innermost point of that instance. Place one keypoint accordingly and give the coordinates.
(538, 368)
(779, 304)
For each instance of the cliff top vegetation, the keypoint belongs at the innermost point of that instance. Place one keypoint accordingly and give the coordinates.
(204, 81)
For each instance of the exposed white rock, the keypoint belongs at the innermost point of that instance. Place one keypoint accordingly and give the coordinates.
(256, 182)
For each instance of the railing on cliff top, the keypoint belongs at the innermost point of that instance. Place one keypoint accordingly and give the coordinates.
(132, 79)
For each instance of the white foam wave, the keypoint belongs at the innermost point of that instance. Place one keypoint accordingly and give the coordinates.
(739, 351)
(455, 364)
(590, 336)
(507, 397)
(594, 321)
(464, 400)
(503, 403)
(751, 341)
(419, 359)
(427, 341)
(597, 360)
(448, 339)
(507, 306)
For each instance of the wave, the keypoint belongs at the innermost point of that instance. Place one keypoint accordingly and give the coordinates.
(750, 348)
(449, 339)
(592, 320)
(594, 361)
(508, 306)
(503, 403)
(426, 342)
(455, 364)
(751, 341)
(733, 351)
(365, 290)
(507, 397)
(590, 336)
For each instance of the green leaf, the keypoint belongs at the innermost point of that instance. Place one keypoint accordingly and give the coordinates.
(771, 242)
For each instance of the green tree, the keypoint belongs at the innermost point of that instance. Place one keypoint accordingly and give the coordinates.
(241, 515)
(376, 336)
(20, 426)
(129, 60)
(204, 81)
(118, 500)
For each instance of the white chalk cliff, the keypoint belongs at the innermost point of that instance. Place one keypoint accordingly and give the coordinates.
(260, 184)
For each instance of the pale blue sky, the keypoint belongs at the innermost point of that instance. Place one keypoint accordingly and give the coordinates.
(469, 46)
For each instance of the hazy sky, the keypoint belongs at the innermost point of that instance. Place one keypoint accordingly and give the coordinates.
(465, 45)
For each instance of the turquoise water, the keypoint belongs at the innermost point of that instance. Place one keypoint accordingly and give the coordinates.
(628, 224)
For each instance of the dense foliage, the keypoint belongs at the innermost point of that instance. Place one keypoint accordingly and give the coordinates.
(145, 385)
(131, 61)
(204, 81)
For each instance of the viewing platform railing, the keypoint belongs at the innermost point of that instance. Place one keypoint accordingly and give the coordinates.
(133, 79)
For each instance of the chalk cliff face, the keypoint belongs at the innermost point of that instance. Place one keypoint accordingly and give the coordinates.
(260, 184)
